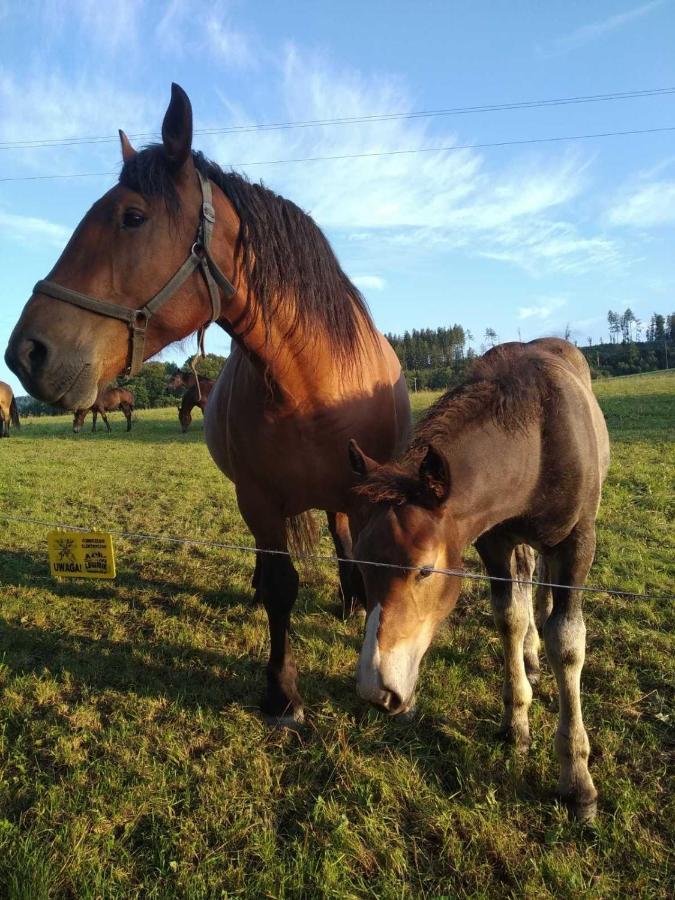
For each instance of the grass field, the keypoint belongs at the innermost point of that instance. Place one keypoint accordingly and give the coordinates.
(132, 759)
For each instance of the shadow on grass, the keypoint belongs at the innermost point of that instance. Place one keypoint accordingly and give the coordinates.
(163, 431)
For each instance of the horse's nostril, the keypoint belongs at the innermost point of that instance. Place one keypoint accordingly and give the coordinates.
(391, 701)
(34, 354)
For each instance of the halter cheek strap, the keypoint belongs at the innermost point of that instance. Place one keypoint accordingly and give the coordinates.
(137, 319)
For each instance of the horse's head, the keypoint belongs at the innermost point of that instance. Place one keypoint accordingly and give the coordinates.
(78, 421)
(176, 381)
(407, 526)
(126, 248)
(185, 418)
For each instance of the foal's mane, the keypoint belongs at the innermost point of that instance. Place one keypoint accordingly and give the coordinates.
(288, 262)
(506, 386)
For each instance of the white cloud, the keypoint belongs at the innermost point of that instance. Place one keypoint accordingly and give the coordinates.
(369, 282)
(189, 28)
(29, 229)
(543, 310)
(596, 30)
(108, 28)
(648, 206)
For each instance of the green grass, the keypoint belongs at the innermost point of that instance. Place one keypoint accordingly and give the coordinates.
(133, 761)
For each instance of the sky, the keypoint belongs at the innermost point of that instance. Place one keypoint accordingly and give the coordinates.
(528, 240)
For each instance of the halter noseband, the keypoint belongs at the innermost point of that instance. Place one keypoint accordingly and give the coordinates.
(138, 319)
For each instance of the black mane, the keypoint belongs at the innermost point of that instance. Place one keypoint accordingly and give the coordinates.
(288, 262)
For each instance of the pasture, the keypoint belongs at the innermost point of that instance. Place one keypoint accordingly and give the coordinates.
(132, 758)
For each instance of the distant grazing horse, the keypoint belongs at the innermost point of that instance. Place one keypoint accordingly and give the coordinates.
(515, 455)
(109, 400)
(184, 380)
(8, 410)
(191, 398)
(308, 367)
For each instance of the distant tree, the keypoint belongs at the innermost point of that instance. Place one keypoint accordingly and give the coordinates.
(614, 326)
(491, 337)
(627, 322)
(209, 366)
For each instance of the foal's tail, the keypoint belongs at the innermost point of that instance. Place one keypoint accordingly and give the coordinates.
(14, 413)
(303, 533)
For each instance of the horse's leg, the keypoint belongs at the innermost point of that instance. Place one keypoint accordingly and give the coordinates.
(95, 414)
(4, 430)
(543, 598)
(107, 423)
(510, 607)
(524, 561)
(351, 584)
(126, 409)
(277, 588)
(565, 640)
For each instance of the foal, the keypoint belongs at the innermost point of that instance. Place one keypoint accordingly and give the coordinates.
(194, 397)
(110, 399)
(515, 455)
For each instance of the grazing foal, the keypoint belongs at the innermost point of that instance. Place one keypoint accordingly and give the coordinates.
(516, 455)
(194, 397)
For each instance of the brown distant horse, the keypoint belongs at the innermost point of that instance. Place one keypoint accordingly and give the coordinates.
(308, 369)
(8, 410)
(515, 455)
(194, 397)
(110, 399)
(183, 379)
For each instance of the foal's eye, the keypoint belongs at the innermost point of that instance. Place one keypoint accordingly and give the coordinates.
(424, 572)
(132, 218)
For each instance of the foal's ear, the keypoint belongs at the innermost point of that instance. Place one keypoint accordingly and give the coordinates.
(128, 151)
(361, 464)
(435, 475)
(177, 128)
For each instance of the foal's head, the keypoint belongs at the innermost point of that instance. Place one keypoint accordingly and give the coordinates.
(407, 526)
(129, 244)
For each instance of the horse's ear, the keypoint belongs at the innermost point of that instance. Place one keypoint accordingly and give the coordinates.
(435, 476)
(361, 464)
(128, 151)
(177, 128)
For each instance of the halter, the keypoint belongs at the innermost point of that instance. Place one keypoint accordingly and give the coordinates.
(138, 319)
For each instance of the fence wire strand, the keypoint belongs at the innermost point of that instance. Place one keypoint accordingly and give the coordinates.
(309, 557)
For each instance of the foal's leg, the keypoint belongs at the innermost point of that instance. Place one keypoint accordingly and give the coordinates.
(543, 603)
(510, 607)
(351, 585)
(524, 563)
(107, 423)
(565, 639)
(94, 415)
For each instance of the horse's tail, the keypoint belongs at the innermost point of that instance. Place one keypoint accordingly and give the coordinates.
(303, 533)
(14, 413)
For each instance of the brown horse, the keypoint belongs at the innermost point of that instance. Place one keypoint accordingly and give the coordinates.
(185, 380)
(8, 410)
(194, 397)
(516, 455)
(110, 399)
(308, 369)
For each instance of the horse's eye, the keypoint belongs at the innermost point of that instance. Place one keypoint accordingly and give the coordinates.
(425, 572)
(132, 218)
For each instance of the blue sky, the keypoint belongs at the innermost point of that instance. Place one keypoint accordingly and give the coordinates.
(525, 240)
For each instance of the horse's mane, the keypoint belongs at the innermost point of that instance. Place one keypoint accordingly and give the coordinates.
(506, 386)
(287, 260)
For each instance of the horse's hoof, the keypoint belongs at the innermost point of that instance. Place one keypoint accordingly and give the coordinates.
(517, 739)
(584, 811)
(292, 720)
(533, 676)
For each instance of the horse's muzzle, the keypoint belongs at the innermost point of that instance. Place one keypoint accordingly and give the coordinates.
(51, 374)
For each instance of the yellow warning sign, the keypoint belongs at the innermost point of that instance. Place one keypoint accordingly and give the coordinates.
(81, 554)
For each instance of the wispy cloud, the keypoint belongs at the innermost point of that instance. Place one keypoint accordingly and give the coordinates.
(96, 23)
(369, 282)
(596, 30)
(648, 206)
(542, 310)
(188, 28)
(29, 229)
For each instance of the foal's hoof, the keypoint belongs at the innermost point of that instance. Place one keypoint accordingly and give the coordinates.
(519, 740)
(584, 811)
(291, 720)
(533, 674)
